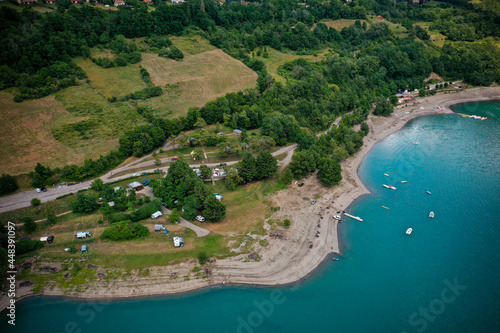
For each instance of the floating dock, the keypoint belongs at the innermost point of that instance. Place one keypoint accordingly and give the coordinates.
(354, 217)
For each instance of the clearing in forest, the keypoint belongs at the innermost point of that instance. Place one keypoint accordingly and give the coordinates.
(340, 24)
(277, 58)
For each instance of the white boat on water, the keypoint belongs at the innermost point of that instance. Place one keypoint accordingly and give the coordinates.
(386, 175)
(416, 143)
(408, 231)
(389, 186)
(431, 214)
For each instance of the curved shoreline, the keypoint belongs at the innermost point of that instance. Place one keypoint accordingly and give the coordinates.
(303, 247)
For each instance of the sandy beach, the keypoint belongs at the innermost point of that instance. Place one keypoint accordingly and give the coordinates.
(292, 253)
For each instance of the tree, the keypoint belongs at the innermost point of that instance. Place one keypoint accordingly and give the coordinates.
(266, 165)
(157, 162)
(38, 180)
(302, 164)
(35, 202)
(393, 99)
(84, 204)
(383, 108)
(191, 206)
(330, 172)
(233, 179)
(214, 209)
(97, 185)
(206, 172)
(51, 216)
(246, 167)
(7, 184)
(175, 216)
(29, 225)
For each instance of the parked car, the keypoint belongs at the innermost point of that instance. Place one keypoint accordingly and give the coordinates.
(313, 202)
(158, 170)
(300, 185)
(145, 183)
(43, 189)
(173, 159)
(200, 218)
(38, 190)
(143, 174)
(222, 164)
(136, 174)
(50, 239)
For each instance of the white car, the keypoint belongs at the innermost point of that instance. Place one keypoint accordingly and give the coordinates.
(200, 218)
(136, 174)
(38, 190)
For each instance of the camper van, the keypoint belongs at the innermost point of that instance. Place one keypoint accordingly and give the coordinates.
(156, 215)
(160, 227)
(178, 241)
(83, 234)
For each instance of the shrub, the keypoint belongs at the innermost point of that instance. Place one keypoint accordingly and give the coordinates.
(125, 230)
(286, 223)
(35, 202)
(28, 245)
(145, 211)
(29, 225)
(7, 184)
(119, 217)
(202, 258)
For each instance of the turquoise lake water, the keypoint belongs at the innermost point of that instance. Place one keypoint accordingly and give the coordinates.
(442, 278)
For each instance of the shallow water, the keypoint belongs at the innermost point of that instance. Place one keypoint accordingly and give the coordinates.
(441, 278)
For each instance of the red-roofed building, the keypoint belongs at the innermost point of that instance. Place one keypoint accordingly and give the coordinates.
(148, 2)
(119, 3)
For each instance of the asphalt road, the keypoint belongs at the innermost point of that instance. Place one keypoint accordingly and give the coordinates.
(23, 199)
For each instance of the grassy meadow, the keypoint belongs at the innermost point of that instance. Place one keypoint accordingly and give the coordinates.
(195, 80)
(79, 122)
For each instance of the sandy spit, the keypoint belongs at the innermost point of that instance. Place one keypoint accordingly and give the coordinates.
(292, 253)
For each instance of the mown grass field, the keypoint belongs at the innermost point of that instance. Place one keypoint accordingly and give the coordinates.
(116, 81)
(192, 45)
(27, 134)
(341, 24)
(195, 80)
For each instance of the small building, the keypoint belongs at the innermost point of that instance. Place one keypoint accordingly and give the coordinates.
(148, 2)
(136, 186)
(237, 131)
(111, 204)
(119, 3)
(84, 249)
(220, 134)
(177, 1)
(178, 241)
(458, 86)
(51, 2)
(75, 1)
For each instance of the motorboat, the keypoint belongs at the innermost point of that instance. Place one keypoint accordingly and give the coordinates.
(431, 214)
(416, 143)
(389, 186)
(404, 181)
(409, 231)
(386, 175)
(428, 192)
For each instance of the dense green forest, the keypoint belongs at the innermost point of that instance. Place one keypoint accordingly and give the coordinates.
(364, 65)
